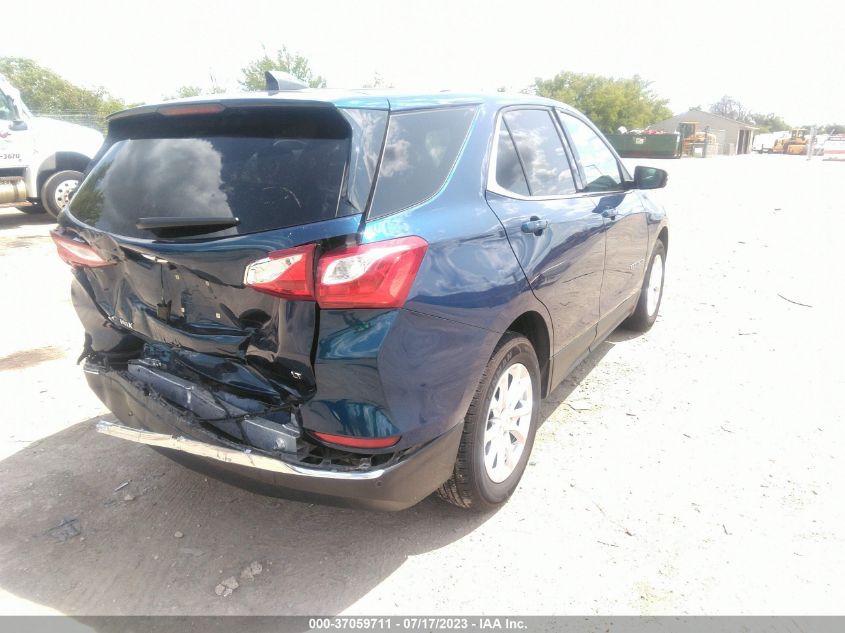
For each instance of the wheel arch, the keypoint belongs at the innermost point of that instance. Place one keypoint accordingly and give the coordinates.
(56, 162)
(663, 236)
(533, 327)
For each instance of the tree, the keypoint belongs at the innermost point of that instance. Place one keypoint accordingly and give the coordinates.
(768, 123)
(830, 128)
(185, 91)
(293, 63)
(195, 91)
(731, 108)
(188, 91)
(46, 92)
(609, 102)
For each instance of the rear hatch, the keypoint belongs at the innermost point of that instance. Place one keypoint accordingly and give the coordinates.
(182, 199)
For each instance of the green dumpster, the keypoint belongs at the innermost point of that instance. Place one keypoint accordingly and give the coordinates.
(646, 145)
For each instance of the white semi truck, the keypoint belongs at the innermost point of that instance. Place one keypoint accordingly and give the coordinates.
(41, 159)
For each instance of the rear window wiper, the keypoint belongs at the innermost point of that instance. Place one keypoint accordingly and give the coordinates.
(182, 223)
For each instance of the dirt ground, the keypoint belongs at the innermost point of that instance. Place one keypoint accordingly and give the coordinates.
(694, 469)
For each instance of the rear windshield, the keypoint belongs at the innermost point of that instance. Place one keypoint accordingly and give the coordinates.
(288, 177)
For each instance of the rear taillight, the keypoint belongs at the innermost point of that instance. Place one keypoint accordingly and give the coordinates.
(288, 273)
(76, 253)
(375, 275)
(357, 442)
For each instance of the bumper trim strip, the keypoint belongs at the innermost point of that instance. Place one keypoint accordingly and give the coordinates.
(228, 455)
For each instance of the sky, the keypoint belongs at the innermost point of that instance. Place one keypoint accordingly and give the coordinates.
(780, 56)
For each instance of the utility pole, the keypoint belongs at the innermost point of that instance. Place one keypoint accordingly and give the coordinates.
(812, 143)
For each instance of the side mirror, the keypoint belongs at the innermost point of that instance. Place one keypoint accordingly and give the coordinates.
(18, 126)
(649, 177)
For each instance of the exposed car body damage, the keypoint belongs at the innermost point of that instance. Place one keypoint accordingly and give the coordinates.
(397, 481)
(183, 232)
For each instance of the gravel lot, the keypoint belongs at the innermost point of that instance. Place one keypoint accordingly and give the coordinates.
(694, 469)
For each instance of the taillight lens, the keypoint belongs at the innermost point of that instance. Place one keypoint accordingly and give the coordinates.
(357, 442)
(376, 275)
(288, 273)
(76, 253)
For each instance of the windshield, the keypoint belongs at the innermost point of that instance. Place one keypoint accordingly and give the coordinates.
(7, 111)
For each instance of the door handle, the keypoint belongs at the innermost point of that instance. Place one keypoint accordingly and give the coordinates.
(535, 225)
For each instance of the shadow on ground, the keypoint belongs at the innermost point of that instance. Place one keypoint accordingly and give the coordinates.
(564, 389)
(79, 539)
(12, 218)
(75, 544)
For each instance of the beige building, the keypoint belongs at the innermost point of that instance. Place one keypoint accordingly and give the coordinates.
(732, 137)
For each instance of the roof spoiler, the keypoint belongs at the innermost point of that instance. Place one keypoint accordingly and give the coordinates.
(277, 80)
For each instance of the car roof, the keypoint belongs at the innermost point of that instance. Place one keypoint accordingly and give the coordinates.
(376, 99)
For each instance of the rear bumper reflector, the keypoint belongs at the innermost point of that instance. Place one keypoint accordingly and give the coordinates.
(352, 441)
(224, 454)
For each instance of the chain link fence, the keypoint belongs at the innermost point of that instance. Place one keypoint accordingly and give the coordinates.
(80, 118)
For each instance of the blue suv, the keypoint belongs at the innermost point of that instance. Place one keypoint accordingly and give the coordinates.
(355, 297)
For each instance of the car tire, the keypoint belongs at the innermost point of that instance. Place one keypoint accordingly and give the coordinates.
(57, 190)
(482, 480)
(651, 293)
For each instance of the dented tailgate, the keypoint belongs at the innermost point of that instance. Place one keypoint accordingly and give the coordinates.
(192, 297)
(179, 207)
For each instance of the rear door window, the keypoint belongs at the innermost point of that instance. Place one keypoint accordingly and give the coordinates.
(288, 178)
(601, 170)
(419, 153)
(541, 150)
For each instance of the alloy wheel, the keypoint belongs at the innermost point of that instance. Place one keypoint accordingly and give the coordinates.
(508, 421)
(655, 285)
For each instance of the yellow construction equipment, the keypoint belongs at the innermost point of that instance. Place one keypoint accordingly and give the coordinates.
(795, 144)
(693, 142)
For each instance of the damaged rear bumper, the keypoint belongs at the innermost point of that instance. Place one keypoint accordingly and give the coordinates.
(157, 423)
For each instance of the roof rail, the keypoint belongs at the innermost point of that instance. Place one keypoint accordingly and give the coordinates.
(277, 80)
